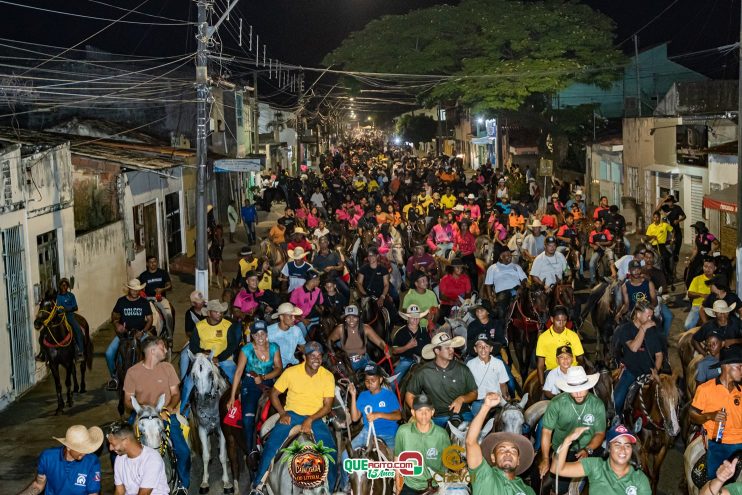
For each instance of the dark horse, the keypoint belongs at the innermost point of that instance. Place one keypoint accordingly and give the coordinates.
(530, 311)
(58, 346)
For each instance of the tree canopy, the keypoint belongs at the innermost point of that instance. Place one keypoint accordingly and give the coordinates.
(488, 54)
(416, 128)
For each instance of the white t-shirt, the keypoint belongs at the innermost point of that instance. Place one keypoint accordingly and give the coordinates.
(549, 268)
(317, 199)
(551, 378)
(504, 277)
(622, 265)
(147, 470)
(488, 376)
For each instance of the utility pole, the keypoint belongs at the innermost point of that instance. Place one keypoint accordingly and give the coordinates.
(739, 159)
(256, 115)
(204, 32)
(300, 126)
(638, 81)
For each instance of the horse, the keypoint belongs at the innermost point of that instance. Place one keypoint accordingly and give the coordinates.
(163, 320)
(528, 317)
(511, 417)
(378, 319)
(57, 345)
(604, 389)
(150, 429)
(602, 307)
(208, 388)
(374, 450)
(656, 407)
(564, 295)
(278, 475)
(276, 256)
(455, 327)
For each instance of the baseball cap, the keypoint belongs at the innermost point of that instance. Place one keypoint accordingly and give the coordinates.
(372, 369)
(564, 349)
(619, 431)
(259, 326)
(486, 339)
(313, 346)
(634, 264)
(550, 239)
(422, 401)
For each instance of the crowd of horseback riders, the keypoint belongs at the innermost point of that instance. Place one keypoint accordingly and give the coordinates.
(403, 304)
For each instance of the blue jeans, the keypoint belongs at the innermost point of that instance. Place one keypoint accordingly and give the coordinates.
(361, 363)
(249, 396)
(512, 385)
(476, 406)
(666, 319)
(443, 420)
(359, 441)
(402, 368)
(184, 362)
(716, 454)
(691, 321)
(111, 351)
(594, 265)
(305, 329)
(228, 367)
(250, 232)
(280, 432)
(76, 331)
(622, 388)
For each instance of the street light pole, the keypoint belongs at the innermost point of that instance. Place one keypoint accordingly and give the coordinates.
(202, 94)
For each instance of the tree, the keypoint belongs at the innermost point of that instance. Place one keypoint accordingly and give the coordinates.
(416, 128)
(488, 54)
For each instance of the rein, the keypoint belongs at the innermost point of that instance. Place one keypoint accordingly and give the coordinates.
(67, 339)
(372, 433)
(643, 408)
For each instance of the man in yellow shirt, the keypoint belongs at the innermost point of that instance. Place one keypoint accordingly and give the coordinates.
(556, 336)
(310, 391)
(448, 200)
(247, 261)
(412, 206)
(218, 336)
(658, 232)
(698, 290)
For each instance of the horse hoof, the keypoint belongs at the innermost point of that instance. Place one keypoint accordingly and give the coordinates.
(203, 490)
(228, 491)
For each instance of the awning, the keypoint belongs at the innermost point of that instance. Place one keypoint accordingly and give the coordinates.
(724, 200)
(483, 141)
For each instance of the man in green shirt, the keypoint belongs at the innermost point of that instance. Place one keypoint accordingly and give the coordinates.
(507, 455)
(445, 380)
(613, 476)
(419, 295)
(424, 436)
(565, 412)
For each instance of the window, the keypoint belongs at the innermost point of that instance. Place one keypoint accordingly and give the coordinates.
(238, 109)
(633, 182)
(138, 228)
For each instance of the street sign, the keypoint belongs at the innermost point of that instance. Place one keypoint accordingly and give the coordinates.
(545, 167)
(238, 165)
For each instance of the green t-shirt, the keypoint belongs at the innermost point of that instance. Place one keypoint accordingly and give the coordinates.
(605, 482)
(430, 445)
(734, 488)
(563, 415)
(423, 301)
(442, 386)
(487, 480)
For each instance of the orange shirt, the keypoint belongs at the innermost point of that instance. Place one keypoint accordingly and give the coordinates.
(712, 396)
(277, 234)
(516, 221)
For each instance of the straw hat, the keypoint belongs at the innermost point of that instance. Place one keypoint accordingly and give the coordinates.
(442, 340)
(413, 312)
(217, 305)
(577, 380)
(525, 449)
(536, 223)
(81, 439)
(134, 284)
(297, 254)
(720, 306)
(299, 230)
(197, 297)
(287, 309)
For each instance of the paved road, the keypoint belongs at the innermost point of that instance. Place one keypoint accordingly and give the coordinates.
(27, 426)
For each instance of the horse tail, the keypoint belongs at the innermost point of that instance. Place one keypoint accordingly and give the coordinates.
(89, 352)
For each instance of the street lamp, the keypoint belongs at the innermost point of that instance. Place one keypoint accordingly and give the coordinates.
(480, 120)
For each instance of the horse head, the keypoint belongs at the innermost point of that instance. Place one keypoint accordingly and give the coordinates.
(48, 310)
(512, 418)
(207, 380)
(149, 424)
(604, 388)
(668, 402)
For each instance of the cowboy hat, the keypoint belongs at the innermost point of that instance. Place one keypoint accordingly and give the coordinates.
(287, 309)
(471, 196)
(134, 284)
(442, 340)
(577, 380)
(216, 305)
(413, 312)
(720, 306)
(536, 223)
(525, 449)
(81, 439)
(299, 230)
(197, 297)
(459, 208)
(297, 254)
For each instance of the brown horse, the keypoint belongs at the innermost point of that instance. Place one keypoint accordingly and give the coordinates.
(530, 311)
(275, 254)
(58, 347)
(656, 405)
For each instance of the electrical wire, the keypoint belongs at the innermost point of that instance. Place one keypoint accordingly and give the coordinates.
(95, 18)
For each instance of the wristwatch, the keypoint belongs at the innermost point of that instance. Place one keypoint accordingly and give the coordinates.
(589, 451)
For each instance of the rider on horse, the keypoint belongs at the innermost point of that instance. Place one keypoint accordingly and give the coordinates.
(146, 381)
(132, 313)
(550, 267)
(353, 337)
(555, 337)
(66, 299)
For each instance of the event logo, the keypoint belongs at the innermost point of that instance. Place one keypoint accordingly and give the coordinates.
(453, 459)
(409, 463)
(308, 463)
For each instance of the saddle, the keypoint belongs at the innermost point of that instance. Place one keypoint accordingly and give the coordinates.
(639, 419)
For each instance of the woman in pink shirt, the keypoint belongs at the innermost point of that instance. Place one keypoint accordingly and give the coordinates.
(308, 298)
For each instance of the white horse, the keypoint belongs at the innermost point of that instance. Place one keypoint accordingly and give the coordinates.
(208, 388)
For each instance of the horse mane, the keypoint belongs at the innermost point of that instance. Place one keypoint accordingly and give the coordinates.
(219, 381)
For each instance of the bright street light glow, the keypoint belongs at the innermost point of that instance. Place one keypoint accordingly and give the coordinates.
(480, 120)
(397, 140)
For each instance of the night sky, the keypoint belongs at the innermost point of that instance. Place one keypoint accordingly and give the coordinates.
(303, 31)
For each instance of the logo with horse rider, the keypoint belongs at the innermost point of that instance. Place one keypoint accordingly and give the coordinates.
(410, 463)
(308, 463)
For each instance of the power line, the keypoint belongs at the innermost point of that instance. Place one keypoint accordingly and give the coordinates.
(83, 16)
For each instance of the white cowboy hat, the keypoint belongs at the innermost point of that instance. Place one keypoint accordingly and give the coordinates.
(720, 306)
(299, 230)
(471, 196)
(459, 208)
(413, 312)
(216, 305)
(577, 380)
(81, 439)
(287, 309)
(442, 340)
(297, 254)
(134, 284)
(536, 223)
